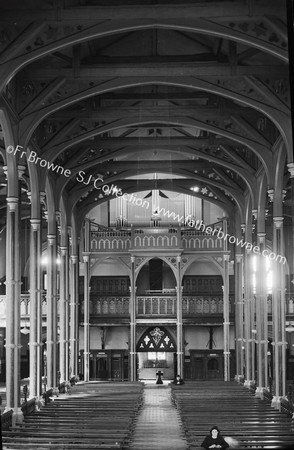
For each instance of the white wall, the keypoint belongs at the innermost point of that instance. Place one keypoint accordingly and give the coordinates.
(211, 213)
(115, 338)
(198, 338)
(202, 268)
(107, 267)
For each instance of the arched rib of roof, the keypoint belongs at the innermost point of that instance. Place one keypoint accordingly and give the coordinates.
(30, 122)
(75, 232)
(248, 177)
(248, 218)
(10, 159)
(280, 162)
(263, 153)
(111, 27)
(51, 206)
(261, 202)
(64, 219)
(235, 193)
(34, 189)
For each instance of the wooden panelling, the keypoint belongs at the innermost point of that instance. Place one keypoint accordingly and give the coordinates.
(110, 285)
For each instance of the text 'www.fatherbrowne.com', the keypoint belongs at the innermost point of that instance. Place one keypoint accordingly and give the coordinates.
(199, 225)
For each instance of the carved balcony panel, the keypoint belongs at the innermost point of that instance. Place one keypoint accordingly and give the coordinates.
(156, 306)
(154, 238)
(118, 241)
(107, 306)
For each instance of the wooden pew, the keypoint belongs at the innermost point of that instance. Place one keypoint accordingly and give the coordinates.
(97, 416)
(236, 411)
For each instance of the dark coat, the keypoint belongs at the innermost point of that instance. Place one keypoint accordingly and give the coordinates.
(208, 441)
(180, 381)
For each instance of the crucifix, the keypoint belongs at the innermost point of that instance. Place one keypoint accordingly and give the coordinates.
(159, 380)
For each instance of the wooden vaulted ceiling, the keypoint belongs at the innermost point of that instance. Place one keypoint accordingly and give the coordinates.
(121, 89)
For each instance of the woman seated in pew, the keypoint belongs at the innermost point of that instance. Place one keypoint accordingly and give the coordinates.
(178, 380)
(214, 440)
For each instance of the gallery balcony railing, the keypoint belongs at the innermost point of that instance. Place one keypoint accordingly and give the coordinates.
(105, 306)
(192, 305)
(156, 306)
(151, 305)
(148, 238)
(25, 308)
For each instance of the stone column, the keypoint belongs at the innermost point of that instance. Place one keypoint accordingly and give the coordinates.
(132, 307)
(67, 314)
(86, 259)
(261, 317)
(248, 326)
(35, 343)
(291, 254)
(63, 314)
(240, 364)
(13, 309)
(51, 312)
(278, 313)
(74, 274)
(226, 313)
(180, 362)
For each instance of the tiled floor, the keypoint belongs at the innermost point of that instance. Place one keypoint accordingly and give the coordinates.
(158, 425)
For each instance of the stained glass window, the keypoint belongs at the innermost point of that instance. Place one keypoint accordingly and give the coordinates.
(156, 339)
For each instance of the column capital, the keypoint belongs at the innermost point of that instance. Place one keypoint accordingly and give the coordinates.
(226, 257)
(133, 259)
(74, 259)
(35, 224)
(63, 251)
(278, 221)
(291, 169)
(239, 257)
(51, 238)
(261, 237)
(86, 258)
(243, 227)
(12, 203)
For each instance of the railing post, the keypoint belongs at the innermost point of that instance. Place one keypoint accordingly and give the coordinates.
(86, 318)
(226, 326)
(180, 368)
(133, 364)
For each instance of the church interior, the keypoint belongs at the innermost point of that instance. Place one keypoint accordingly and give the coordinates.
(147, 211)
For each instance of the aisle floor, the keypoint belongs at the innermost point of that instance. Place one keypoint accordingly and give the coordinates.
(159, 425)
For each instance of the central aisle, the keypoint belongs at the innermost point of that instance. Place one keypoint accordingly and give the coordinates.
(158, 426)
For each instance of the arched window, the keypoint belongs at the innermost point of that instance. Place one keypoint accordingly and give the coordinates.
(156, 339)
